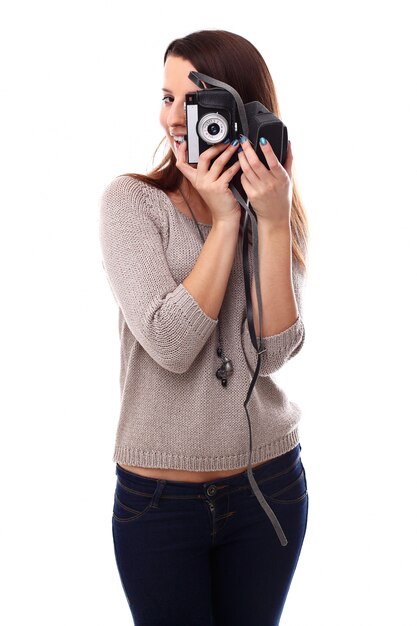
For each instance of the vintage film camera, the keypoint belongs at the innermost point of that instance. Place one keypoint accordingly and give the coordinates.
(217, 113)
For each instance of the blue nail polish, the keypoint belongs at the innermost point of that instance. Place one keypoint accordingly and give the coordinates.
(263, 141)
(226, 140)
(235, 142)
(242, 138)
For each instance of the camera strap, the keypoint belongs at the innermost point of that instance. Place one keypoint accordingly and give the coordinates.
(249, 315)
(249, 215)
(197, 78)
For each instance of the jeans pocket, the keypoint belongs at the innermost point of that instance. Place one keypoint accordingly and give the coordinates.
(131, 503)
(288, 486)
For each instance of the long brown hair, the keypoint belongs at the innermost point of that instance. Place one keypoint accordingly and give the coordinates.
(234, 60)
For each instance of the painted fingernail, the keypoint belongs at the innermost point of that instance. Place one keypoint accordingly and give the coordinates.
(226, 140)
(263, 141)
(242, 138)
(235, 142)
(240, 149)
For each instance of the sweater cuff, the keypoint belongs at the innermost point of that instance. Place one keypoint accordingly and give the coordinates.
(279, 348)
(198, 320)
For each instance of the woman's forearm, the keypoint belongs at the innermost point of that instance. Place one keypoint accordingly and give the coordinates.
(207, 282)
(279, 306)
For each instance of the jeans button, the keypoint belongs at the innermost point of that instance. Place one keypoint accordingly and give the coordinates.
(211, 490)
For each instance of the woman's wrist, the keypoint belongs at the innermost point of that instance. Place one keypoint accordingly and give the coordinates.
(226, 223)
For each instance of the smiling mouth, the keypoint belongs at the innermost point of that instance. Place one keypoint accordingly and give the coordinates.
(178, 140)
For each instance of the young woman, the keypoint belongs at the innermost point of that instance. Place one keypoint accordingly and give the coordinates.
(192, 544)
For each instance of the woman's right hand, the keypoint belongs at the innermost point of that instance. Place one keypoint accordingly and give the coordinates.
(213, 184)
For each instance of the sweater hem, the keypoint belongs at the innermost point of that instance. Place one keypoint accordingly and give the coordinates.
(166, 460)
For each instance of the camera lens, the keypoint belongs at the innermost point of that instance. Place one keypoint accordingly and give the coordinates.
(213, 128)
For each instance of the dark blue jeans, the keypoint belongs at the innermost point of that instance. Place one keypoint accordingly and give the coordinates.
(206, 554)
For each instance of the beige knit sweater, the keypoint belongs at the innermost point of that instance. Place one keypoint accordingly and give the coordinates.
(174, 412)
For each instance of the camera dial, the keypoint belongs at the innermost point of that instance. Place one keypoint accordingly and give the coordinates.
(213, 128)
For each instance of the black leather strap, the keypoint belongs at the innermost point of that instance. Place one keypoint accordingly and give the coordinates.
(197, 77)
(249, 310)
(249, 314)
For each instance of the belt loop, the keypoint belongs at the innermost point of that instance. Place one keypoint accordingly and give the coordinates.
(158, 492)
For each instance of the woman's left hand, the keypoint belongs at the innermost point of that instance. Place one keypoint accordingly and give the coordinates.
(268, 191)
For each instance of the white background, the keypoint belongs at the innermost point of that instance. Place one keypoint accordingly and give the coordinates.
(80, 96)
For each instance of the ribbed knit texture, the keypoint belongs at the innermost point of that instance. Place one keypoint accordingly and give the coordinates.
(174, 412)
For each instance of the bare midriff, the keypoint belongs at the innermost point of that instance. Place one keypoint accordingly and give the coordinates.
(184, 475)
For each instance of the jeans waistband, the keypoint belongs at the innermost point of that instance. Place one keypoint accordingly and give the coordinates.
(178, 488)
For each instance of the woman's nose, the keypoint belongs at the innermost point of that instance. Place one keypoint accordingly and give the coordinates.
(176, 115)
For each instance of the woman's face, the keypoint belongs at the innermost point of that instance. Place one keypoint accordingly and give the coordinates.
(176, 84)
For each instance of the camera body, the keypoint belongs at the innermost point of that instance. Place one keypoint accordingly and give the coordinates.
(212, 115)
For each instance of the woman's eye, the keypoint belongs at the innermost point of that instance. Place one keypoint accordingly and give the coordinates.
(165, 97)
